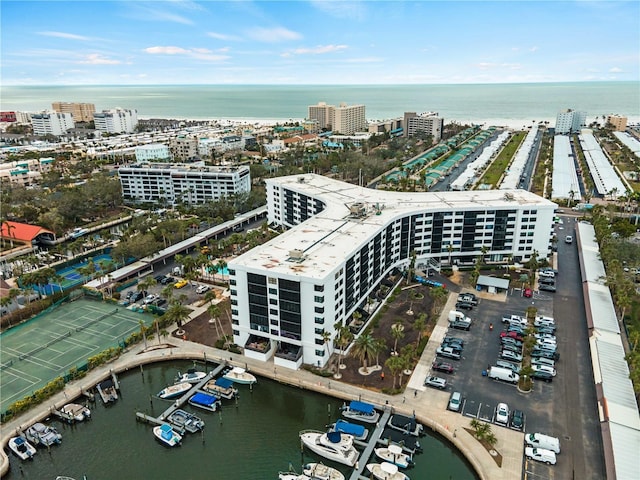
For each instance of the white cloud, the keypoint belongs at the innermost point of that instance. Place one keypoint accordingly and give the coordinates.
(533, 49)
(68, 36)
(155, 12)
(350, 10)
(273, 35)
(490, 65)
(98, 59)
(223, 36)
(319, 50)
(616, 70)
(198, 53)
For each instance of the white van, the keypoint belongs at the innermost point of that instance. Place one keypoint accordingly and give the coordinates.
(540, 440)
(541, 455)
(504, 374)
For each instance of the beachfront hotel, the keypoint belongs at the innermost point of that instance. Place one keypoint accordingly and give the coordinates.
(342, 240)
(82, 112)
(116, 121)
(344, 119)
(51, 123)
(170, 184)
(570, 121)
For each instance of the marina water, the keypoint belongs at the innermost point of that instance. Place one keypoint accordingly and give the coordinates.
(254, 438)
(499, 104)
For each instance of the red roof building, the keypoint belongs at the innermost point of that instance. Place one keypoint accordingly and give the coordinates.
(23, 232)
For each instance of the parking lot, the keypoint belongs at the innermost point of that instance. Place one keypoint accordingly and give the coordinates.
(565, 407)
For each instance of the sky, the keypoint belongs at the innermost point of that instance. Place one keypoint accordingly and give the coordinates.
(317, 42)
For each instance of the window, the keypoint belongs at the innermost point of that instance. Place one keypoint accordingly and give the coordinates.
(319, 331)
(319, 309)
(273, 301)
(318, 299)
(272, 281)
(236, 332)
(318, 288)
(319, 320)
(273, 291)
(234, 292)
(319, 341)
(273, 311)
(319, 353)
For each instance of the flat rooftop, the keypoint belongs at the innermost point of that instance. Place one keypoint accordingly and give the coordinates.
(337, 232)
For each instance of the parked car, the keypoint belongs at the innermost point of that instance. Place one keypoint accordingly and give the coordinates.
(150, 298)
(528, 293)
(136, 297)
(545, 354)
(509, 355)
(180, 284)
(453, 343)
(547, 273)
(547, 280)
(550, 330)
(158, 278)
(448, 352)
(546, 288)
(512, 348)
(469, 298)
(455, 402)
(449, 339)
(436, 382)
(463, 305)
(511, 334)
(543, 368)
(544, 376)
(517, 419)
(459, 325)
(540, 440)
(203, 288)
(167, 280)
(543, 361)
(502, 414)
(514, 367)
(511, 341)
(442, 367)
(540, 455)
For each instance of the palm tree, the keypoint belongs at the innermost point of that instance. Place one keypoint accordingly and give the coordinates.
(397, 332)
(326, 338)
(364, 348)
(220, 267)
(380, 347)
(343, 339)
(178, 313)
(420, 324)
(214, 311)
(395, 366)
(439, 296)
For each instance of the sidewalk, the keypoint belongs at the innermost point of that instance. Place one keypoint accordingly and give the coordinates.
(428, 405)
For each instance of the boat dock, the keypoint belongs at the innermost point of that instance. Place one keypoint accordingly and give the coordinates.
(360, 472)
(179, 402)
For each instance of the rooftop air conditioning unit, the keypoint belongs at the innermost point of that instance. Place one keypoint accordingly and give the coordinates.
(296, 255)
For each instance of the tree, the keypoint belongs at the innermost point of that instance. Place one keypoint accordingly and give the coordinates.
(397, 332)
(380, 346)
(438, 296)
(177, 313)
(214, 311)
(343, 338)
(395, 366)
(363, 349)
(420, 324)
(326, 338)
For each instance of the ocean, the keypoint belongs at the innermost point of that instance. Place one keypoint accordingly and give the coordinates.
(498, 104)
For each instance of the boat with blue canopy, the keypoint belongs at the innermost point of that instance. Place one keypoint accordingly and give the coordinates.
(205, 401)
(222, 387)
(361, 411)
(358, 431)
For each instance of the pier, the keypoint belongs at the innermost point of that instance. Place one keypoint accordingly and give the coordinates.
(361, 465)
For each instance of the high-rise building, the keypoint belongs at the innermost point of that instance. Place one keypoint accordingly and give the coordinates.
(192, 184)
(82, 112)
(154, 152)
(429, 123)
(116, 121)
(8, 117)
(570, 121)
(345, 119)
(344, 240)
(618, 123)
(52, 123)
(184, 148)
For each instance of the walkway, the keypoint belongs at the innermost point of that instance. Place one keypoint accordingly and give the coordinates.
(430, 406)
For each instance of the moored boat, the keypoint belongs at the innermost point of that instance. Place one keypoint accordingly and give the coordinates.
(221, 387)
(320, 471)
(192, 376)
(22, 448)
(407, 425)
(76, 411)
(386, 471)
(335, 446)
(240, 375)
(409, 443)
(394, 454)
(41, 434)
(186, 421)
(174, 391)
(342, 426)
(107, 391)
(165, 434)
(205, 401)
(360, 411)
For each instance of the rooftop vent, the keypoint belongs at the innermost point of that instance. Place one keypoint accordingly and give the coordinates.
(357, 209)
(509, 197)
(296, 255)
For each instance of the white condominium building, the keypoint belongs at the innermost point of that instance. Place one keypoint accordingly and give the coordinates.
(345, 119)
(116, 121)
(82, 112)
(429, 123)
(53, 123)
(570, 121)
(154, 152)
(344, 239)
(167, 184)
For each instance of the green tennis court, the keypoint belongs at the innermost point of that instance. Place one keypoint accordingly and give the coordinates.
(46, 347)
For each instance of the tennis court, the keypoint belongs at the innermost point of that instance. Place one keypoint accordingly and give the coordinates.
(70, 276)
(46, 347)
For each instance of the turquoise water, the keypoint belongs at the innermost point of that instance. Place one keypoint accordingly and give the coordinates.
(512, 102)
(253, 440)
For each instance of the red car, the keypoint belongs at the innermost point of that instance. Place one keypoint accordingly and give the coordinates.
(442, 367)
(528, 293)
(511, 334)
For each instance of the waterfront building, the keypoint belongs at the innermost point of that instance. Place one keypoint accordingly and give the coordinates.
(82, 112)
(8, 117)
(184, 148)
(23, 117)
(343, 240)
(570, 121)
(116, 121)
(393, 126)
(154, 152)
(428, 123)
(170, 184)
(618, 122)
(25, 172)
(51, 123)
(345, 119)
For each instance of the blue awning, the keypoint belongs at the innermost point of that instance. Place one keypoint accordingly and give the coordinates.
(204, 399)
(350, 428)
(361, 407)
(224, 382)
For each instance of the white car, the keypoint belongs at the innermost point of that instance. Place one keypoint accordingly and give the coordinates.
(547, 273)
(203, 288)
(541, 455)
(540, 336)
(537, 367)
(511, 356)
(436, 382)
(150, 299)
(547, 341)
(543, 361)
(502, 414)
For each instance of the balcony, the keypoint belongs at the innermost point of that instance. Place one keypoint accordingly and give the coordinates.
(288, 356)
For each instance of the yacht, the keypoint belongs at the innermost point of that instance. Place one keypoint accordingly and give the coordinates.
(312, 471)
(407, 425)
(335, 446)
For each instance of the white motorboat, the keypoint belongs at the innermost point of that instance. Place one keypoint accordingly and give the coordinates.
(22, 448)
(361, 411)
(240, 375)
(221, 387)
(185, 420)
(394, 454)
(386, 471)
(320, 471)
(192, 376)
(165, 434)
(335, 446)
(174, 391)
(76, 411)
(41, 434)
(107, 391)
